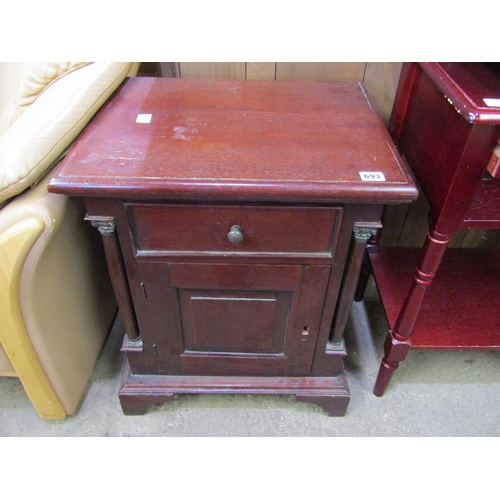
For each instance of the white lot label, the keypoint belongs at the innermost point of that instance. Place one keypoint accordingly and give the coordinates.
(494, 103)
(372, 176)
(143, 118)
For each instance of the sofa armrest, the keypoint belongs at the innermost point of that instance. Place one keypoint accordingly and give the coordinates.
(15, 244)
(35, 141)
(64, 295)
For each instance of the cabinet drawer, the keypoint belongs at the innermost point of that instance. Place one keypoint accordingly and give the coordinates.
(205, 229)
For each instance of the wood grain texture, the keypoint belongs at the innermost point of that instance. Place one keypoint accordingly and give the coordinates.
(332, 71)
(416, 226)
(223, 70)
(138, 393)
(261, 70)
(480, 238)
(267, 230)
(284, 298)
(281, 140)
(381, 81)
(169, 69)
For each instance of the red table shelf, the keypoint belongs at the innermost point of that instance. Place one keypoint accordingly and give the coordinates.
(464, 294)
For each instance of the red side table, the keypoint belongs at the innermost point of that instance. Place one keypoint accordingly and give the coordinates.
(446, 123)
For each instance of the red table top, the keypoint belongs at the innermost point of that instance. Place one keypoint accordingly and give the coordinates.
(472, 88)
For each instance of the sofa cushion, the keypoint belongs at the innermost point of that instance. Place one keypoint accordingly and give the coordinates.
(39, 76)
(59, 98)
(11, 80)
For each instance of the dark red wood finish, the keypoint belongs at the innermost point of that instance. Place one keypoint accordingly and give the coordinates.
(139, 393)
(229, 140)
(454, 305)
(225, 319)
(280, 160)
(442, 124)
(201, 229)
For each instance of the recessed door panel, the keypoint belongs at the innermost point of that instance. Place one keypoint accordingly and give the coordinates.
(234, 321)
(229, 319)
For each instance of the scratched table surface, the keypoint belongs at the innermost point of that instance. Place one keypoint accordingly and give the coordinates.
(228, 139)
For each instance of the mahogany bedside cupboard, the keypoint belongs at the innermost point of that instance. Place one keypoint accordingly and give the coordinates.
(234, 216)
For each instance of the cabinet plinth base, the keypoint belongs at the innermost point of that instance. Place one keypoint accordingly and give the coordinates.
(139, 393)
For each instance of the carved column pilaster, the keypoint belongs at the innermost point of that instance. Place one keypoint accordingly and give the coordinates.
(362, 232)
(107, 227)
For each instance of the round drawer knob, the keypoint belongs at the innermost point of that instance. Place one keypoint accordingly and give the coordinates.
(235, 235)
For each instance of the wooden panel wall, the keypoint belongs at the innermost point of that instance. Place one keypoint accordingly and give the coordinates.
(405, 225)
(380, 79)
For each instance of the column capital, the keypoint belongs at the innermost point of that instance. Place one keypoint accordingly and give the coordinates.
(104, 224)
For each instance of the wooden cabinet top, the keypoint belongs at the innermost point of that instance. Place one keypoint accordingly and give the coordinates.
(236, 140)
(472, 88)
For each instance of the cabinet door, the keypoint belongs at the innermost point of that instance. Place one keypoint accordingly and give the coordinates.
(231, 319)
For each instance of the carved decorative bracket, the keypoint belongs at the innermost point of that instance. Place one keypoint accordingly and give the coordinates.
(364, 231)
(104, 224)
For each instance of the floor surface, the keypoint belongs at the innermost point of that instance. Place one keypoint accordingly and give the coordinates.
(432, 394)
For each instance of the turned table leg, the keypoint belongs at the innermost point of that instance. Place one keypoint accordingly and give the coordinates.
(398, 341)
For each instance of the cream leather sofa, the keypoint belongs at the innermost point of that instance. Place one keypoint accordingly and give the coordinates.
(56, 302)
